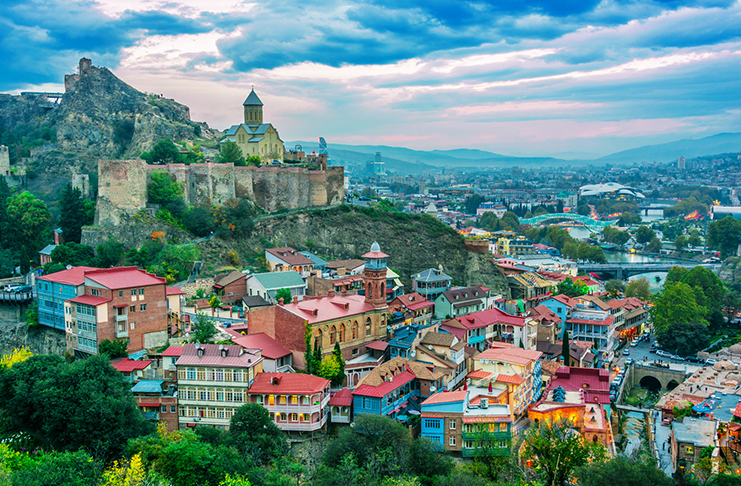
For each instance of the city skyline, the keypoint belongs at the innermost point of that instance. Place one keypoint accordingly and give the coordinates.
(540, 78)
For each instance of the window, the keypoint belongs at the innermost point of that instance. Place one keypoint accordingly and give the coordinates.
(95, 292)
(141, 291)
(133, 326)
(283, 417)
(294, 417)
(294, 400)
(163, 409)
(237, 375)
(282, 400)
(306, 417)
(120, 293)
(229, 396)
(202, 395)
(452, 424)
(305, 400)
(133, 292)
(452, 441)
(132, 308)
(173, 408)
(191, 373)
(220, 396)
(143, 307)
(201, 374)
(219, 375)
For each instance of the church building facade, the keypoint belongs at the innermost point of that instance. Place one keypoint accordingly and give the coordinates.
(254, 137)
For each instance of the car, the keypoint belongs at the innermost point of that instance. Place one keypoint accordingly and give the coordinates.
(663, 354)
(22, 289)
(677, 357)
(634, 344)
(711, 361)
(617, 381)
(694, 359)
(10, 287)
(628, 361)
(626, 352)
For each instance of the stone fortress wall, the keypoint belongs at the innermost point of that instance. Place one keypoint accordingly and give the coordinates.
(122, 186)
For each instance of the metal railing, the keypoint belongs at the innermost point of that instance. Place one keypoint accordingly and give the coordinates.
(16, 296)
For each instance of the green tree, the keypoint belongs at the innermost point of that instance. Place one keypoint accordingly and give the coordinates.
(684, 338)
(68, 468)
(709, 290)
(568, 287)
(234, 219)
(694, 239)
(310, 366)
(540, 211)
(654, 245)
(284, 294)
(31, 231)
(110, 253)
(680, 243)
(644, 234)
(72, 215)
(253, 432)
(163, 152)
(472, 203)
(676, 304)
(199, 221)
(583, 210)
(254, 161)
(74, 254)
(204, 329)
(7, 226)
(639, 288)
(118, 348)
(328, 367)
(339, 378)
(566, 348)
(558, 452)
(623, 471)
(230, 152)
(732, 303)
(163, 187)
(426, 461)
(615, 287)
(676, 274)
(511, 221)
(723, 235)
(93, 408)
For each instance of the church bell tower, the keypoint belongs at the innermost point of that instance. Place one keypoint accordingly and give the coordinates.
(375, 276)
(252, 109)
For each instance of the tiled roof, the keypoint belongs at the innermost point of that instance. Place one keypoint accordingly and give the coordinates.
(464, 294)
(378, 345)
(254, 301)
(73, 276)
(479, 375)
(279, 280)
(342, 398)
(348, 264)
(438, 339)
(174, 291)
(431, 275)
(510, 354)
(488, 317)
(290, 256)
(235, 358)
(123, 278)
(446, 397)
(127, 365)
(148, 386)
(565, 299)
(315, 259)
(231, 277)
(47, 250)
(89, 300)
(510, 379)
(458, 331)
(252, 99)
(328, 308)
(173, 351)
(544, 313)
(288, 383)
(386, 387)
(269, 346)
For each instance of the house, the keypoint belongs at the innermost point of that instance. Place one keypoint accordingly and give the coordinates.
(231, 287)
(457, 425)
(275, 357)
(132, 370)
(406, 339)
(561, 305)
(346, 267)
(581, 396)
(158, 402)
(689, 438)
(340, 406)
(588, 322)
(297, 402)
(358, 367)
(414, 305)
(394, 287)
(631, 316)
(353, 321)
(175, 322)
(265, 285)
(443, 350)
(527, 290)
(169, 358)
(431, 283)
(250, 302)
(588, 282)
(319, 263)
(213, 381)
(461, 301)
(580, 353)
(45, 254)
(548, 322)
(286, 259)
(53, 290)
(480, 329)
(117, 303)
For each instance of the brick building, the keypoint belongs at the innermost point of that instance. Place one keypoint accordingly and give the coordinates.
(296, 401)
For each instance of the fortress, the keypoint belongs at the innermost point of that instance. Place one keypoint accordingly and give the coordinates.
(122, 186)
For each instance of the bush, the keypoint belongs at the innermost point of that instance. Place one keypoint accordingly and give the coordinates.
(199, 221)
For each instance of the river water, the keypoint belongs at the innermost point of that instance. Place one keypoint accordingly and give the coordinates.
(632, 430)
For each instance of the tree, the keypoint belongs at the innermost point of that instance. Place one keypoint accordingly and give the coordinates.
(204, 329)
(615, 287)
(694, 239)
(622, 471)
(31, 220)
(426, 461)
(676, 274)
(732, 303)
(510, 220)
(110, 253)
(339, 378)
(723, 235)
(676, 304)
(558, 451)
(18, 355)
(230, 152)
(199, 221)
(654, 245)
(583, 210)
(118, 348)
(328, 367)
(680, 243)
(639, 288)
(253, 432)
(472, 203)
(709, 290)
(566, 348)
(254, 161)
(74, 254)
(284, 294)
(67, 468)
(72, 215)
(568, 287)
(66, 407)
(163, 187)
(163, 152)
(644, 234)
(684, 338)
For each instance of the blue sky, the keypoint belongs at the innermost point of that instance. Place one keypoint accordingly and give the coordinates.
(538, 77)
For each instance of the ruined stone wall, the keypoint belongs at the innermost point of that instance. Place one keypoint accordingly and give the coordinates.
(122, 190)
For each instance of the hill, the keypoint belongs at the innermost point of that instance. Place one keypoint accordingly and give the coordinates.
(666, 152)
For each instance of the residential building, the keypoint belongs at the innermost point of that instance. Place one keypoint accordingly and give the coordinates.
(580, 353)
(497, 208)
(275, 357)
(175, 321)
(444, 351)
(45, 254)
(358, 367)
(286, 259)
(482, 328)
(132, 370)
(689, 438)
(117, 303)
(461, 301)
(213, 381)
(527, 290)
(340, 407)
(250, 302)
(319, 263)
(548, 324)
(297, 402)
(561, 305)
(53, 290)
(406, 339)
(431, 283)
(394, 287)
(515, 246)
(158, 402)
(346, 267)
(231, 287)
(588, 322)
(413, 307)
(265, 285)
(581, 396)
(169, 359)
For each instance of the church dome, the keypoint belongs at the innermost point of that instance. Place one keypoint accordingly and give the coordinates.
(375, 247)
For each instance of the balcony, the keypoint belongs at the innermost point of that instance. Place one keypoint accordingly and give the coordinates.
(472, 452)
(151, 415)
(485, 435)
(302, 426)
(121, 318)
(122, 334)
(297, 408)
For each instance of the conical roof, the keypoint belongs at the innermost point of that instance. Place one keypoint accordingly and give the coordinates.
(375, 252)
(252, 99)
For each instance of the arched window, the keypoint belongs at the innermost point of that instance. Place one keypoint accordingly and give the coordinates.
(342, 333)
(367, 326)
(355, 330)
(332, 335)
(318, 342)
(383, 290)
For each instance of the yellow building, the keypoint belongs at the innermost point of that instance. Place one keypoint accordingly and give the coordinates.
(253, 136)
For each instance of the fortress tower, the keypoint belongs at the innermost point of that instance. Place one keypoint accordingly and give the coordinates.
(375, 276)
(4, 161)
(252, 109)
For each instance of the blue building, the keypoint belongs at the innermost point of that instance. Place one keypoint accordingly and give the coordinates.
(53, 290)
(561, 305)
(431, 283)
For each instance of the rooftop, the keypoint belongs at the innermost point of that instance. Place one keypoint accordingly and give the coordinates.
(509, 354)
(431, 275)
(446, 397)
(211, 356)
(279, 280)
(290, 256)
(288, 383)
(327, 308)
(73, 276)
(127, 365)
(701, 433)
(123, 278)
(342, 398)
(271, 348)
(89, 300)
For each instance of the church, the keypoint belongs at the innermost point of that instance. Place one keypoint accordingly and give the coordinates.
(253, 136)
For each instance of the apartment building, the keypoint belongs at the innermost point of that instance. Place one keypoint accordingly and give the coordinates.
(298, 402)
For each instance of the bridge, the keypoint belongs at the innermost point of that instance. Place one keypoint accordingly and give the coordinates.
(654, 377)
(593, 224)
(10, 298)
(622, 271)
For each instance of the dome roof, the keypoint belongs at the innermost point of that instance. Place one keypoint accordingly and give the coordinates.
(375, 247)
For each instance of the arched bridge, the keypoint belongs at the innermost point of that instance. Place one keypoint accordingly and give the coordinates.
(622, 271)
(654, 377)
(592, 224)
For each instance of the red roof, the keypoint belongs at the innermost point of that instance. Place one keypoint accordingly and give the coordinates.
(509, 354)
(175, 291)
(488, 317)
(288, 384)
(386, 387)
(456, 331)
(73, 276)
(420, 305)
(270, 347)
(565, 299)
(342, 398)
(123, 278)
(128, 365)
(510, 379)
(89, 300)
(446, 397)
(378, 345)
(479, 375)
(144, 404)
(328, 308)
(606, 322)
(375, 254)
(173, 351)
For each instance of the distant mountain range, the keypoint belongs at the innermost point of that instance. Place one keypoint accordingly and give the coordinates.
(409, 161)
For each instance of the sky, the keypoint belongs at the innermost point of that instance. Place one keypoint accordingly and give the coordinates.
(536, 77)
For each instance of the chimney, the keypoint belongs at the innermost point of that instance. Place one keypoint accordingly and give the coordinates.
(280, 301)
(319, 295)
(295, 299)
(223, 350)
(330, 293)
(344, 292)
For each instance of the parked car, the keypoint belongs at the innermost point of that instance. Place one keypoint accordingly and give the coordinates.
(11, 286)
(677, 357)
(617, 381)
(634, 343)
(711, 361)
(628, 361)
(626, 352)
(22, 289)
(663, 354)
(694, 359)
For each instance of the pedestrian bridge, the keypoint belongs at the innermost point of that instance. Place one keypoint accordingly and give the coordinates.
(592, 224)
(622, 271)
(12, 298)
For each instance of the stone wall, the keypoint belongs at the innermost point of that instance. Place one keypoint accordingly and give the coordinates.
(205, 284)
(122, 190)
(40, 339)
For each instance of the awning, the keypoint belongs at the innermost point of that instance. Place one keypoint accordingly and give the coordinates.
(191, 424)
(144, 404)
(118, 306)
